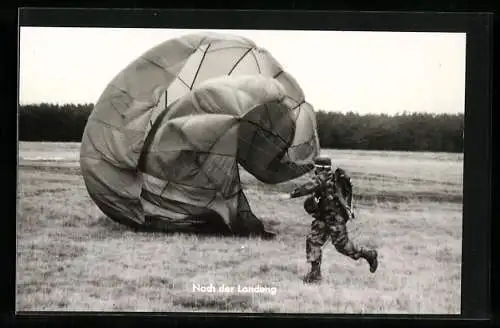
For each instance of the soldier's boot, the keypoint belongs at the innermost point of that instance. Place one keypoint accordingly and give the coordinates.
(315, 274)
(371, 256)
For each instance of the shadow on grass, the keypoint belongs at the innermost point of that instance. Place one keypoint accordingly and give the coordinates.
(108, 224)
(155, 226)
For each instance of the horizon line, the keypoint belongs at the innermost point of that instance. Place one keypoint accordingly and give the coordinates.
(318, 110)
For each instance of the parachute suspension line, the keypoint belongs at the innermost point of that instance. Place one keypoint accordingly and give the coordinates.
(239, 60)
(199, 66)
(256, 62)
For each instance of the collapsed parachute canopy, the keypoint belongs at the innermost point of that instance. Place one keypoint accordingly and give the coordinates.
(165, 138)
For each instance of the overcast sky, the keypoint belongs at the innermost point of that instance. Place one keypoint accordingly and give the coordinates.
(364, 72)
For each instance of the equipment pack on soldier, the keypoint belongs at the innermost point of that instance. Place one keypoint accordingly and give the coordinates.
(330, 203)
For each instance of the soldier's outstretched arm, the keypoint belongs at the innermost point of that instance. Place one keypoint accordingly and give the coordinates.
(306, 189)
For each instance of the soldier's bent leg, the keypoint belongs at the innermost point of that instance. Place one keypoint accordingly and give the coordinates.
(343, 245)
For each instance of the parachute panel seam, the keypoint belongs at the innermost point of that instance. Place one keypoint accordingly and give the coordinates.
(223, 134)
(260, 149)
(199, 66)
(119, 89)
(263, 129)
(186, 139)
(116, 109)
(199, 151)
(153, 63)
(173, 182)
(183, 82)
(202, 41)
(150, 135)
(278, 74)
(231, 47)
(111, 96)
(256, 61)
(152, 198)
(238, 61)
(220, 190)
(255, 134)
(104, 157)
(218, 186)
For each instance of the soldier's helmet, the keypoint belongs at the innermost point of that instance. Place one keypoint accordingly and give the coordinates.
(322, 163)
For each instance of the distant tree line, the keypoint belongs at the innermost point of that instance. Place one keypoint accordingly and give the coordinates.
(52, 122)
(405, 131)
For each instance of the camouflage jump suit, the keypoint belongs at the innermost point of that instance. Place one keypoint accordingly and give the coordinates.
(331, 216)
(332, 225)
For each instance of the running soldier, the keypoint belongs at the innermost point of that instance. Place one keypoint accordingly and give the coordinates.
(330, 205)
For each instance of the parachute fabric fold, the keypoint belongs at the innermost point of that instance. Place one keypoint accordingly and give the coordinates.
(168, 134)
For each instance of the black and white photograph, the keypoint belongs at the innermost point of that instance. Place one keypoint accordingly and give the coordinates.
(244, 171)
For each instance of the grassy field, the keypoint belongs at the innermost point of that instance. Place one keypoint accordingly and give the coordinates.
(70, 257)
